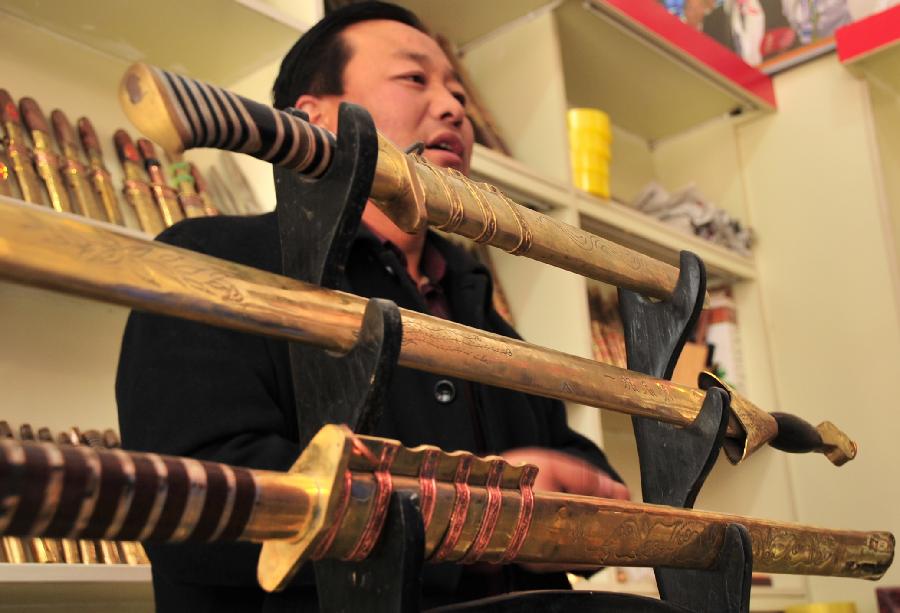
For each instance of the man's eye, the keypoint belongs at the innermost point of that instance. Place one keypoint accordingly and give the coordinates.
(415, 78)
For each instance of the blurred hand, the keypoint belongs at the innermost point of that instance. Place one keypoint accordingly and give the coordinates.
(561, 472)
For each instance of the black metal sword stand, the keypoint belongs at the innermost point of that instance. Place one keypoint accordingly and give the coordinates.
(317, 222)
(675, 461)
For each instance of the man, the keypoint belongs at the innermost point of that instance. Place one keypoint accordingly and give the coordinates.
(189, 389)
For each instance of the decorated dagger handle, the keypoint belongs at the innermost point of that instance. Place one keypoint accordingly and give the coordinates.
(79, 492)
(188, 114)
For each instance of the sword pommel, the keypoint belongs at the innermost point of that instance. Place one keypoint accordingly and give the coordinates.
(179, 113)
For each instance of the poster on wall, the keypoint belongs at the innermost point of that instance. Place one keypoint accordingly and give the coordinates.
(774, 34)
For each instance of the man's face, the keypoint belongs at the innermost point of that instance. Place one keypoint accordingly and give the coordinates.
(402, 77)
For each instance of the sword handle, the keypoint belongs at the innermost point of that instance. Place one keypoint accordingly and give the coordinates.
(79, 492)
(180, 113)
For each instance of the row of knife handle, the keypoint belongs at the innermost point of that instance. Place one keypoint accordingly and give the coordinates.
(50, 169)
(68, 551)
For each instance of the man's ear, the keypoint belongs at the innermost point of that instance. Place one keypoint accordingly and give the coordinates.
(319, 110)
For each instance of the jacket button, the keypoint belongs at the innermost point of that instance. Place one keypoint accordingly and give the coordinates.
(444, 391)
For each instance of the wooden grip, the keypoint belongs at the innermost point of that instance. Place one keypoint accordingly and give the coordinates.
(180, 113)
(77, 492)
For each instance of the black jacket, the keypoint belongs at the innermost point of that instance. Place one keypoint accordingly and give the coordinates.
(190, 389)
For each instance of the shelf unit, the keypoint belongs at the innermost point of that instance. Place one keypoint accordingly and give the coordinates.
(514, 47)
(184, 37)
(871, 47)
(606, 218)
(75, 587)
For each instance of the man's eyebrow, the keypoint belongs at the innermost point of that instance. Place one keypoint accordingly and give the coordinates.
(421, 58)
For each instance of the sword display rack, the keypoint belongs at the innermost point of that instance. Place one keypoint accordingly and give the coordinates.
(317, 223)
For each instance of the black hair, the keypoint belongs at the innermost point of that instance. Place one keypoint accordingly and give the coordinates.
(315, 64)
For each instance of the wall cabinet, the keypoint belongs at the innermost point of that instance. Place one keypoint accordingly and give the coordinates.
(817, 303)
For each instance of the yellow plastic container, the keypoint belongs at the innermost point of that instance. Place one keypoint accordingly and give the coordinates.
(590, 141)
(822, 607)
(588, 119)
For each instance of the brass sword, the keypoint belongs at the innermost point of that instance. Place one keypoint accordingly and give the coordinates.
(180, 113)
(98, 174)
(75, 256)
(73, 169)
(137, 191)
(18, 151)
(166, 198)
(46, 160)
(180, 172)
(473, 510)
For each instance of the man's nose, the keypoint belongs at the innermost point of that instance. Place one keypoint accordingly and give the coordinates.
(448, 107)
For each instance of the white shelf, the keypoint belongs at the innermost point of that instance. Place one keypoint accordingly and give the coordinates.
(73, 573)
(62, 588)
(219, 41)
(610, 220)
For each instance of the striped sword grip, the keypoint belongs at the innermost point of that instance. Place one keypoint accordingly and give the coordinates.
(180, 113)
(78, 492)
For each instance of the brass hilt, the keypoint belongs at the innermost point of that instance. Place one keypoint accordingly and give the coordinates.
(203, 190)
(781, 430)
(99, 176)
(180, 113)
(166, 197)
(136, 189)
(18, 151)
(184, 182)
(73, 169)
(46, 160)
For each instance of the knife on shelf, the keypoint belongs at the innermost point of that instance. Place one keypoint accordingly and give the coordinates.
(17, 149)
(46, 160)
(73, 169)
(109, 264)
(99, 176)
(166, 198)
(137, 191)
